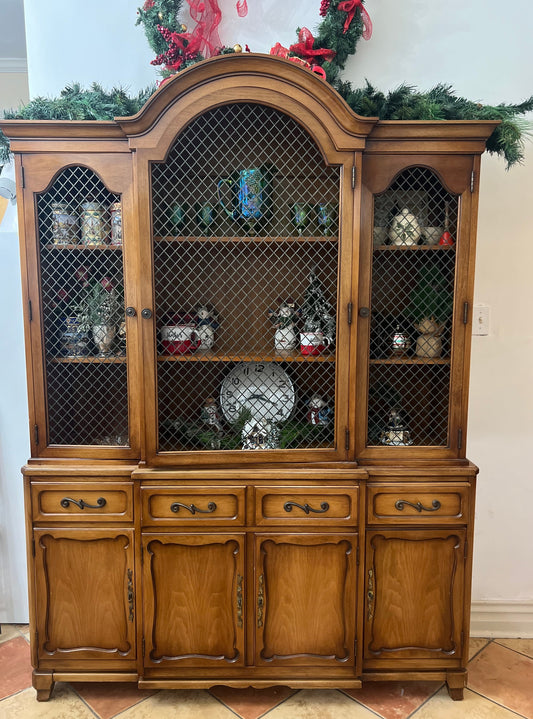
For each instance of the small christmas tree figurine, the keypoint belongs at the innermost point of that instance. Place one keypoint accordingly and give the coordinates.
(317, 313)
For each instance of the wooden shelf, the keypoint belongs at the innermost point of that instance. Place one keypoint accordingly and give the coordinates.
(89, 359)
(245, 357)
(415, 248)
(257, 238)
(411, 360)
(97, 248)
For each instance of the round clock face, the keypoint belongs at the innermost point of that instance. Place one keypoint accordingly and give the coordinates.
(262, 387)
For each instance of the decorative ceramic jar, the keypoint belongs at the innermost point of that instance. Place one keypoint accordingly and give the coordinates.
(405, 229)
(115, 213)
(64, 224)
(94, 225)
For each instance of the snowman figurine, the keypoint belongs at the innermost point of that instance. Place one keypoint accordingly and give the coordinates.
(284, 319)
(206, 321)
(319, 413)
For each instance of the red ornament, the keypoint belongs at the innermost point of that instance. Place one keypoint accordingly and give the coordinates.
(304, 48)
(148, 4)
(350, 6)
(446, 239)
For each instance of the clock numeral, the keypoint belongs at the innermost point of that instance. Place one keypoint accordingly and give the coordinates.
(259, 368)
(235, 381)
(228, 393)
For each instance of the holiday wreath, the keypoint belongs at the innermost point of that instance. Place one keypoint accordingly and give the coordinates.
(326, 52)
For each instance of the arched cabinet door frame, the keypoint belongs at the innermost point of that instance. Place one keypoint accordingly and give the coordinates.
(339, 137)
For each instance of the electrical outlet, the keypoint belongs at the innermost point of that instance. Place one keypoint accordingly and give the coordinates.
(481, 320)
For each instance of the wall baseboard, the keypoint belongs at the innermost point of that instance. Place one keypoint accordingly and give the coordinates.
(496, 618)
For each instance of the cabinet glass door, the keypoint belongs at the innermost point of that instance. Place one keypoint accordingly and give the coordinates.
(245, 242)
(82, 298)
(415, 235)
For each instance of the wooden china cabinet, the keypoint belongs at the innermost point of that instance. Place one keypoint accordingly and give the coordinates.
(248, 318)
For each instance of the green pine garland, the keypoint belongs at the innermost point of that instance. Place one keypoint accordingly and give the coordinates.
(404, 103)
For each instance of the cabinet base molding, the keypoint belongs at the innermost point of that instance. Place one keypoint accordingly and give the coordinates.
(254, 683)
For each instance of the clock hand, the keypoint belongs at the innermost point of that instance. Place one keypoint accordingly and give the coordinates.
(261, 397)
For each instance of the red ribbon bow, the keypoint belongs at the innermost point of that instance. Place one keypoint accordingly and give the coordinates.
(304, 48)
(350, 6)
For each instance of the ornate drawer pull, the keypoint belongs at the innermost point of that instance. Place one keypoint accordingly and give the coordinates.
(435, 504)
(130, 594)
(260, 601)
(306, 507)
(239, 600)
(370, 594)
(192, 508)
(67, 501)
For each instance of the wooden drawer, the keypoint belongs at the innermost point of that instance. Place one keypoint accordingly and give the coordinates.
(82, 501)
(408, 503)
(188, 506)
(306, 505)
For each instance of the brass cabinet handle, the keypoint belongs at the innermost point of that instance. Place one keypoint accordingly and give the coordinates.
(192, 508)
(260, 601)
(131, 312)
(130, 594)
(370, 594)
(67, 501)
(400, 504)
(239, 600)
(306, 507)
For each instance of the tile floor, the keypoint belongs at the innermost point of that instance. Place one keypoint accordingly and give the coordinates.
(500, 687)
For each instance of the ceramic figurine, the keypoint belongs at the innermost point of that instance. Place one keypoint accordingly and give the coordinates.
(206, 321)
(319, 413)
(284, 319)
(429, 343)
(210, 414)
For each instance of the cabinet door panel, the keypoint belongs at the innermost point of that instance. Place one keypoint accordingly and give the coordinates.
(79, 289)
(84, 590)
(415, 589)
(306, 587)
(193, 589)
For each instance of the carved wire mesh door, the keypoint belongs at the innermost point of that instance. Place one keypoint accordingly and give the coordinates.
(80, 247)
(413, 274)
(245, 225)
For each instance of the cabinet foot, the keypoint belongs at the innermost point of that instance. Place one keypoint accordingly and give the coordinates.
(43, 683)
(455, 683)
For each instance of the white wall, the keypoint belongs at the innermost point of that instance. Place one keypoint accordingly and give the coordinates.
(485, 51)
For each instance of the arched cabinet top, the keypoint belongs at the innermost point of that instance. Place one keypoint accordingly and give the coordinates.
(261, 79)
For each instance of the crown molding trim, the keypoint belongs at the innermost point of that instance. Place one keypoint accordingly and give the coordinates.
(13, 64)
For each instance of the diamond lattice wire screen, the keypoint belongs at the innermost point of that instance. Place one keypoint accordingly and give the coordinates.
(415, 231)
(245, 222)
(83, 311)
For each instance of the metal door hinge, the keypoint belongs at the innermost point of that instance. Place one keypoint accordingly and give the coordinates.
(472, 180)
(350, 312)
(466, 549)
(459, 438)
(465, 313)
(23, 179)
(347, 439)
(353, 177)
(142, 556)
(36, 638)
(36, 433)
(30, 311)
(143, 647)
(357, 556)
